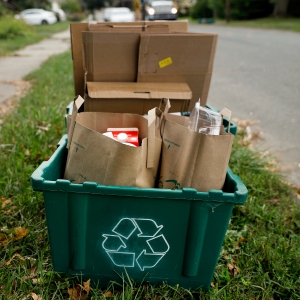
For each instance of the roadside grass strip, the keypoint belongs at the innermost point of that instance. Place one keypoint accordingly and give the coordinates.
(260, 257)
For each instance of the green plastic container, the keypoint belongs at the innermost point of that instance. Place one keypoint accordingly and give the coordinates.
(155, 235)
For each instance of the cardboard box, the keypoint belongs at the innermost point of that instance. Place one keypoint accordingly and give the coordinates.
(76, 30)
(184, 57)
(135, 97)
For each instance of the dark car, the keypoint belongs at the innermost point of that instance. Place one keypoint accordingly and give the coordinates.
(161, 10)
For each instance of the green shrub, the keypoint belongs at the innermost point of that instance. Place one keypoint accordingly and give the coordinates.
(11, 28)
(71, 6)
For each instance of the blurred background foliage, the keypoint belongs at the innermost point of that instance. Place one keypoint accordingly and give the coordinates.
(77, 10)
(242, 9)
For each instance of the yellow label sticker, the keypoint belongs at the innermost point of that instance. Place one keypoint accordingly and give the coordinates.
(165, 62)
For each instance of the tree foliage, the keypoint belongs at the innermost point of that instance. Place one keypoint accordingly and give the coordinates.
(24, 4)
(94, 4)
(239, 9)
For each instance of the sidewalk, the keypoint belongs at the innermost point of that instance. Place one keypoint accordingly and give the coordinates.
(13, 68)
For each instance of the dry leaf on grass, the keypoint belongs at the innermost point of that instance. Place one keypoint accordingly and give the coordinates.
(80, 292)
(33, 296)
(10, 210)
(233, 269)
(15, 255)
(5, 202)
(108, 294)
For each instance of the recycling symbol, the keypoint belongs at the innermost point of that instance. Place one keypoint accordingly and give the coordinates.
(136, 242)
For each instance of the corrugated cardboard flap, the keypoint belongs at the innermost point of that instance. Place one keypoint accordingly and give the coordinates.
(139, 90)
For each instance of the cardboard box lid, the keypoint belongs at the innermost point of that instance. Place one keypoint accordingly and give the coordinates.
(139, 90)
(111, 56)
(136, 90)
(111, 27)
(180, 57)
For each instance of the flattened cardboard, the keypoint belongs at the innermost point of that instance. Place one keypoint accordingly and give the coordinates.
(135, 97)
(182, 57)
(150, 28)
(76, 45)
(111, 56)
(98, 158)
(193, 160)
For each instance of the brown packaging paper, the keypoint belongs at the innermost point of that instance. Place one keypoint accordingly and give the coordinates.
(95, 157)
(191, 159)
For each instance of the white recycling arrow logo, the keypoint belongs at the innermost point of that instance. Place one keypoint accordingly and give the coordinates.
(136, 242)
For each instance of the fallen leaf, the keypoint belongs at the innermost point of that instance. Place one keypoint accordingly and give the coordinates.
(10, 210)
(5, 202)
(15, 255)
(233, 269)
(34, 296)
(108, 294)
(37, 281)
(27, 153)
(242, 240)
(21, 232)
(212, 284)
(80, 292)
(32, 271)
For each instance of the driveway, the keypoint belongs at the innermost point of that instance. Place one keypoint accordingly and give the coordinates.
(257, 75)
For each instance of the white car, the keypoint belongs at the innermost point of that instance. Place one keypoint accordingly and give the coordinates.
(37, 16)
(119, 14)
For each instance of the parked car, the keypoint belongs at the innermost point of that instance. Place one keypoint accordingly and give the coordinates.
(119, 14)
(60, 14)
(37, 16)
(161, 10)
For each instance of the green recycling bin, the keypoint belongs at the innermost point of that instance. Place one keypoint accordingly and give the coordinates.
(157, 235)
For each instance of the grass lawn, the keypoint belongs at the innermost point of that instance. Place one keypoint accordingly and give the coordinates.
(260, 256)
(292, 24)
(8, 46)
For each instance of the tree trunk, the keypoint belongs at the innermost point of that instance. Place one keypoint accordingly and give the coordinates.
(227, 12)
(280, 8)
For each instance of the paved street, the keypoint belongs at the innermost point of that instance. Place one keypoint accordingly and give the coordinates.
(257, 75)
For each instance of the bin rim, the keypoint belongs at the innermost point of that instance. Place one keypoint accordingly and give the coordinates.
(40, 183)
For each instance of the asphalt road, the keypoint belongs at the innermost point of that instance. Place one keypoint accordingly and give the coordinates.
(257, 76)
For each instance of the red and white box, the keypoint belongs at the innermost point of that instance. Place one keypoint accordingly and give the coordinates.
(126, 135)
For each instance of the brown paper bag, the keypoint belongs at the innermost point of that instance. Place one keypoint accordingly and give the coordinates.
(191, 159)
(95, 157)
